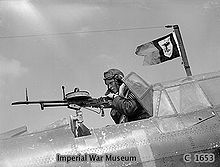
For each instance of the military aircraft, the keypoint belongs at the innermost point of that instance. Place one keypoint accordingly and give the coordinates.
(183, 130)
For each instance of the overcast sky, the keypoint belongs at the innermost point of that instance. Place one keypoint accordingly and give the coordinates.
(39, 49)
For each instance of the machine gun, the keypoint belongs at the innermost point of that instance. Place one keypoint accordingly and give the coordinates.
(73, 100)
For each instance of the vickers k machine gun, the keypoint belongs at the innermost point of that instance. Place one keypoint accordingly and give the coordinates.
(75, 100)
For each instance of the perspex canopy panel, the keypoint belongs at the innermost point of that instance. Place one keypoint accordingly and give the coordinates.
(142, 91)
(186, 94)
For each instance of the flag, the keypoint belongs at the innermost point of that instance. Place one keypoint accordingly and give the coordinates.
(158, 50)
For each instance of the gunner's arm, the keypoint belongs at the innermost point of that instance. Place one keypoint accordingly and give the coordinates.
(126, 106)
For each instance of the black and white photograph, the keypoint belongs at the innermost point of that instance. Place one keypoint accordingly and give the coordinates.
(109, 83)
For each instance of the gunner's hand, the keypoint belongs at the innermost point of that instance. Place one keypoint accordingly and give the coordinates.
(112, 95)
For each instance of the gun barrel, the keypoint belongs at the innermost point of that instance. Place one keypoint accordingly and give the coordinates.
(20, 102)
(54, 105)
(39, 102)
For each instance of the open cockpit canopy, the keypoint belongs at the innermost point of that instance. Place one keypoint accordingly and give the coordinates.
(179, 96)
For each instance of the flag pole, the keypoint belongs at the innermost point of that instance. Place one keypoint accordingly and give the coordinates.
(182, 49)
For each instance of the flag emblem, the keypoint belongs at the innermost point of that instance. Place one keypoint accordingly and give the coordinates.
(159, 50)
(167, 46)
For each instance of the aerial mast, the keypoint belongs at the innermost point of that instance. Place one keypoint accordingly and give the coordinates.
(182, 49)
